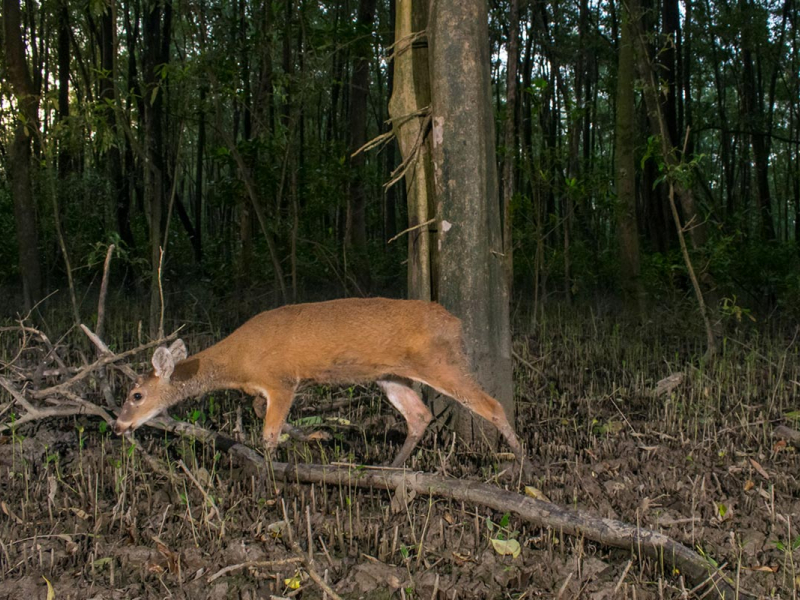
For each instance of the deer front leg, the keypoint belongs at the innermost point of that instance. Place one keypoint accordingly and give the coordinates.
(260, 408)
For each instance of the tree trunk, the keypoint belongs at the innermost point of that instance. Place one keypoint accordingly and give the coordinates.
(469, 237)
(197, 242)
(356, 225)
(411, 96)
(510, 143)
(25, 130)
(625, 167)
(66, 159)
(108, 94)
(156, 56)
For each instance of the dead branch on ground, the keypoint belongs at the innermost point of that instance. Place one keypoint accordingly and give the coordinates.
(610, 532)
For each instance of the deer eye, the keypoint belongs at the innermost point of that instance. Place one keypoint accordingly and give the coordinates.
(137, 396)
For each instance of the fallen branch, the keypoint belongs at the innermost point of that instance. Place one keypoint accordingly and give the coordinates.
(221, 442)
(609, 532)
(264, 564)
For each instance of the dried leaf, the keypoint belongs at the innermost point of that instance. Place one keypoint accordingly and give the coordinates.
(506, 547)
(51, 593)
(764, 568)
(759, 469)
(10, 514)
(535, 493)
(80, 513)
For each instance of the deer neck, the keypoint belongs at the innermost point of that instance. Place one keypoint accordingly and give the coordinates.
(197, 375)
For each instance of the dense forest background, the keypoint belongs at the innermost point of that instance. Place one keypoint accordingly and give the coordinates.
(225, 134)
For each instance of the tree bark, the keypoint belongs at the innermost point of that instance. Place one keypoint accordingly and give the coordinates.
(20, 171)
(157, 32)
(469, 238)
(625, 168)
(510, 143)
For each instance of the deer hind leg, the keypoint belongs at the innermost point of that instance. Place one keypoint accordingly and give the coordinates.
(279, 400)
(455, 381)
(414, 411)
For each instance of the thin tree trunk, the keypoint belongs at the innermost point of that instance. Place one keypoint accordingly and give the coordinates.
(675, 186)
(157, 31)
(66, 159)
(356, 225)
(510, 143)
(625, 167)
(411, 97)
(25, 130)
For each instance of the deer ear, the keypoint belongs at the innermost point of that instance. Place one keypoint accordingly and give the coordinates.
(163, 363)
(178, 351)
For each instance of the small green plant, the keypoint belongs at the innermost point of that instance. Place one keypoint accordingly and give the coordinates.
(730, 308)
(196, 416)
(787, 547)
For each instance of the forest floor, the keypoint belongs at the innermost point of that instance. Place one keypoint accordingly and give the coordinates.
(83, 512)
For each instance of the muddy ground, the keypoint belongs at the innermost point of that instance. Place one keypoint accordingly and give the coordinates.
(88, 514)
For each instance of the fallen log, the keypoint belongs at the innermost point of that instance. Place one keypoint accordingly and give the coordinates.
(652, 544)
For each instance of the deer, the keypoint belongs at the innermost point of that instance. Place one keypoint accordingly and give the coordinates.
(354, 340)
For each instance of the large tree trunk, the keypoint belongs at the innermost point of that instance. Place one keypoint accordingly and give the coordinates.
(20, 154)
(625, 167)
(411, 95)
(471, 275)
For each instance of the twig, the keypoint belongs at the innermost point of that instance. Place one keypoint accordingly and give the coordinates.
(63, 246)
(209, 500)
(101, 302)
(103, 349)
(411, 159)
(18, 397)
(528, 364)
(313, 573)
(254, 563)
(101, 362)
(410, 229)
(161, 293)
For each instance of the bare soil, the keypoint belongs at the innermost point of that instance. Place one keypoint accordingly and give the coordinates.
(83, 509)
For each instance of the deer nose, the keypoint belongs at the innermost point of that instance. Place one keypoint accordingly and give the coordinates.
(120, 428)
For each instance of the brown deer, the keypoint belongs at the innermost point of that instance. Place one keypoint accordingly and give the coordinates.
(391, 342)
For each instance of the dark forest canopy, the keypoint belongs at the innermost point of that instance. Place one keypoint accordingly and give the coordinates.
(224, 133)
